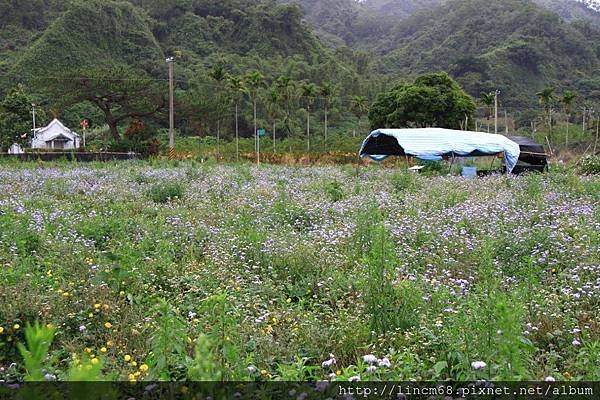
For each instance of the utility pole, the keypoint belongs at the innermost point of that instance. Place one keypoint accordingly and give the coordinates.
(496, 93)
(33, 106)
(505, 122)
(597, 131)
(170, 62)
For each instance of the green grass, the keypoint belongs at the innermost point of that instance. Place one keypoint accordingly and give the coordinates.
(185, 270)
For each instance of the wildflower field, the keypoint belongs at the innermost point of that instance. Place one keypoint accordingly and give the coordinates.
(154, 271)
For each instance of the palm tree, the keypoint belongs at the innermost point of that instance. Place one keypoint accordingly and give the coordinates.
(237, 89)
(272, 101)
(359, 106)
(286, 89)
(218, 74)
(547, 97)
(308, 91)
(254, 81)
(327, 92)
(567, 101)
(487, 99)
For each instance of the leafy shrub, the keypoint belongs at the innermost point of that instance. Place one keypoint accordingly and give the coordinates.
(589, 165)
(403, 181)
(165, 192)
(334, 190)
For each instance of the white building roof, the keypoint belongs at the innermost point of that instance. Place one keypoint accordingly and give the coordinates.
(55, 124)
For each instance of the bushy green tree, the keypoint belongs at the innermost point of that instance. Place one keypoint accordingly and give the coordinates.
(15, 117)
(433, 100)
(119, 91)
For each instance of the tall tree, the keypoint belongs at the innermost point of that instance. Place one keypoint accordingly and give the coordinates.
(236, 87)
(119, 91)
(433, 100)
(308, 92)
(286, 89)
(547, 97)
(327, 92)
(359, 106)
(218, 75)
(15, 117)
(567, 102)
(487, 100)
(254, 82)
(272, 101)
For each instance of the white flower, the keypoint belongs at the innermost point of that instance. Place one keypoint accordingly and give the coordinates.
(330, 362)
(384, 362)
(370, 359)
(251, 369)
(82, 328)
(478, 365)
(371, 369)
(50, 377)
(354, 378)
(549, 379)
(576, 342)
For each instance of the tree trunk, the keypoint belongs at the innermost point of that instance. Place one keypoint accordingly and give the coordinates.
(218, 138)
(256, 149)
(326, 123)
(114, 130)
(237, 137)
(567, 138)
(308, 129)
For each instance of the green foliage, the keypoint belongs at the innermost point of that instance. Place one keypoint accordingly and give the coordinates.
(334, 190)
(167, 342)
(433, 100)
(15, 117)
(38, 340)
(165, 192)
(404, 181)
(589, 165)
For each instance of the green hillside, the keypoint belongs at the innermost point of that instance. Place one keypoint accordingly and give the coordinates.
(513, 45)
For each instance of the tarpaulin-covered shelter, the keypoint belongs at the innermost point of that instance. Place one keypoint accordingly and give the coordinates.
(532, 155)
(434, 143)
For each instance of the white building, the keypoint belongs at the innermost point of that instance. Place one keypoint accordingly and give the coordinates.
(15, 149)
(55, 136)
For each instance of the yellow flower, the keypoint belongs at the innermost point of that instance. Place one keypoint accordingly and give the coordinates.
(97, 306)
(107, 325)
(49, 326)
(133, 364)
(103, 349)
(90, 315)
(263, 372)
(289, 300)
(106, 306)
(127, 358)
(137, 373)
(65, 294)
(131, 377)
(338, 372)
(143, 368)
(109, 343)
(1, 329)
(94, 361)
(16, 326)
(88, 350)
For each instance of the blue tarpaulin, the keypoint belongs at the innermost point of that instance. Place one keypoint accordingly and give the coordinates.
(434, 143)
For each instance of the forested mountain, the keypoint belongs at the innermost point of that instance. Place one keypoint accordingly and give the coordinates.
(517, 46)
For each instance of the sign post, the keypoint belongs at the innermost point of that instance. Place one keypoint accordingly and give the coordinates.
(259, 132)
(84, 124)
